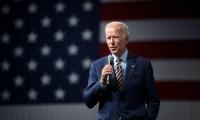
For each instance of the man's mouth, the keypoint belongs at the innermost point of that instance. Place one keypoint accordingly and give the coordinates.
(112, 48)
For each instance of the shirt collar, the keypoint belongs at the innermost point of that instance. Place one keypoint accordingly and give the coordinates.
(123, 57)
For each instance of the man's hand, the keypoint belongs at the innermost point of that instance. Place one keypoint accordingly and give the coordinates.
(107, 70)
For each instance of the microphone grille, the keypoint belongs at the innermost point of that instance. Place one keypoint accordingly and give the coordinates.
(110, 58)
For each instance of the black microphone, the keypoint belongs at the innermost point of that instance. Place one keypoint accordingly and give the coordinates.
(110, 62)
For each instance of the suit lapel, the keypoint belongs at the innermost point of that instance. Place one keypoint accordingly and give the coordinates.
(130, 68)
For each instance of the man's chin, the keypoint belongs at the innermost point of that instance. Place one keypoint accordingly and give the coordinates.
(114, 52)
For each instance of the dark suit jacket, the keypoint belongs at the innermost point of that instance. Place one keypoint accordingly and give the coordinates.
(138, 100)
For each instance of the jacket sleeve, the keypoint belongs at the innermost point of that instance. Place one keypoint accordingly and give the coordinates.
(152, 100)
(94, 90)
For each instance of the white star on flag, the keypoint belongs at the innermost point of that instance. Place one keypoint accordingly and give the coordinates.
(32, 8)
(86, 35)
(5, 95)
(60, 7)
(59, 35)
(73, 21)
(32, 37)
(32, 65)
(5, 66)
(86, 63)
(46, 22)
(87, 6)
(59, 94)
(18, 81)
(73, 49)
(73, 78)
(45, 79)
(5, 9)
(18, 51)
(59, 64)
(19, 23)
(5, 38)
(32, 94)
(45, 50)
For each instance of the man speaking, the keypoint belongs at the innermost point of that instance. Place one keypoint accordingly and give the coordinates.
(122, 83)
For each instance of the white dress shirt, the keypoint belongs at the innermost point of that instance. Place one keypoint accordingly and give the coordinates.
(123, 57)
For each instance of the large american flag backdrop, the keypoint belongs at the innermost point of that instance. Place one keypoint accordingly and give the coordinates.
(46, 47)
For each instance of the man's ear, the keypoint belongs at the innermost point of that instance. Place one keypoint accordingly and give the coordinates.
(126, 40)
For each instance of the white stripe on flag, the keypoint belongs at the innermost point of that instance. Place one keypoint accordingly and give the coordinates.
(176, 69)
(151, 30)
(169, 110)
(179, 110)
(47, 112)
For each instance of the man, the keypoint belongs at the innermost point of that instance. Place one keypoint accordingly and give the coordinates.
(124, 87)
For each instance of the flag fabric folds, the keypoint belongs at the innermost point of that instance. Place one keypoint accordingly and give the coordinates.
(47, 46)
(167, 33)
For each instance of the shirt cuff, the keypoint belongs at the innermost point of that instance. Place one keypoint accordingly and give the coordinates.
(102, 85)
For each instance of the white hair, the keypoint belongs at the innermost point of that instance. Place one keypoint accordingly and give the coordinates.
(124, 27)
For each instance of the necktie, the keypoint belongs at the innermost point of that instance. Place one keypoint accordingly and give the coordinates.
(119, 75)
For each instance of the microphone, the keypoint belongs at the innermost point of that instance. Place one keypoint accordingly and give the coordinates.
(110, 62)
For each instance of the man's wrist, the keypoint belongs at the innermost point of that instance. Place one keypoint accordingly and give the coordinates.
(103, 84)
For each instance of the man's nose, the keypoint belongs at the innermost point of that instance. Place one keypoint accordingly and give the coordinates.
(112, 40)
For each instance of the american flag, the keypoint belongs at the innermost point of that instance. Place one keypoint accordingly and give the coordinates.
(168, 33)
(46, 49)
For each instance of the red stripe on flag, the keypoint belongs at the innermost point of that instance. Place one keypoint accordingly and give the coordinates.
(148, 10)
(179, 90)
(162, 49)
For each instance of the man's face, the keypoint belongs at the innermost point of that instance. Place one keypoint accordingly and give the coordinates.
(116, 40)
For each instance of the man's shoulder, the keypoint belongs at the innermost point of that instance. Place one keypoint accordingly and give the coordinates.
(138, 58)
(101, 60)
